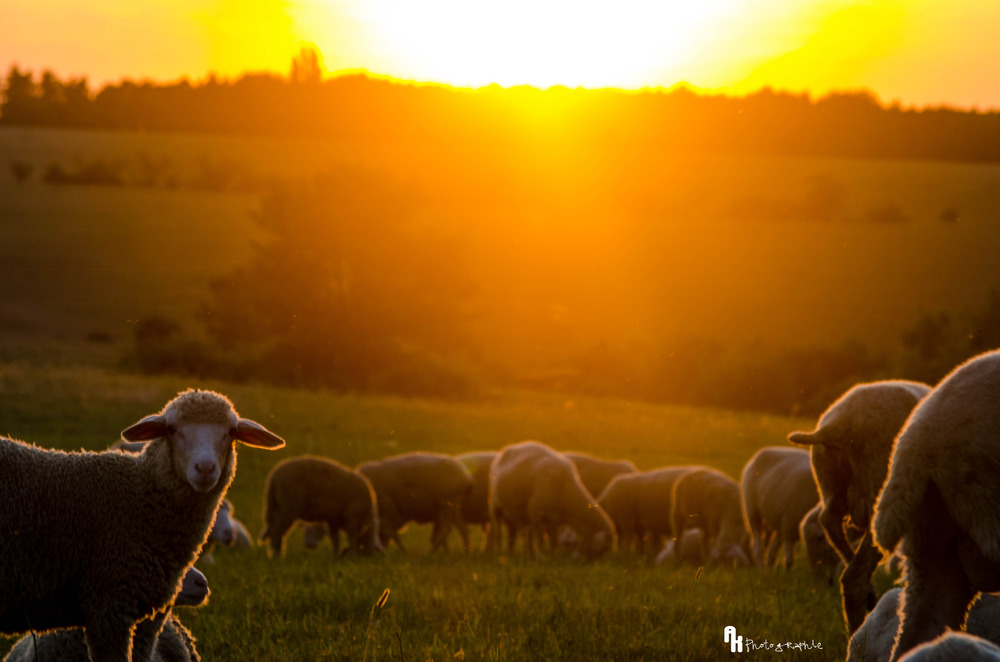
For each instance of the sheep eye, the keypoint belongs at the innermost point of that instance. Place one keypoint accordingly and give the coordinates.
(232, 432)
(171, 430)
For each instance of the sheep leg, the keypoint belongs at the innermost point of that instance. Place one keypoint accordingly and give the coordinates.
(771, 555)
(277, 529)
(855, 582)
(110, 639)
(832, 521)
(937, 592)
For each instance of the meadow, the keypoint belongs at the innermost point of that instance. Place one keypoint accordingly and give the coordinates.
(629, 251)
(313, 605)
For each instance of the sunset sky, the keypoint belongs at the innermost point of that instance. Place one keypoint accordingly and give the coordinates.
(918, 52)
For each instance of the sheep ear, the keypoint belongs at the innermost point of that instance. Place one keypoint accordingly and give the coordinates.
(151, 427)
(256, 435)
(805, 438)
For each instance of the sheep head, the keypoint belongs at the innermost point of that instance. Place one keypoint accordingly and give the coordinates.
(201, 427)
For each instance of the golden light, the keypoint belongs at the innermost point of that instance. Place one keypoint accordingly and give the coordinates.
(625, 44)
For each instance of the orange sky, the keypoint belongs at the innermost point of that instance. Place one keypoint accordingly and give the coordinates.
(918, 52)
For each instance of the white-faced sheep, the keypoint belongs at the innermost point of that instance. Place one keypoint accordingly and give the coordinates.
(778, 491)
(535, 489)
(639, 506)
(709, 500)
(128, 525)
(171, 641)
(596, 473)
(874, 640)
(941, 501)
(476, 507)
(823, 559)
(320, 490)
(420, 487)
(850, 457)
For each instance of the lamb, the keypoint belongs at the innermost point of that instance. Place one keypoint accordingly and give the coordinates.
(420, 487)
(128, 525)
(639, 506)
(850, 458)
(689, 549)
(476, 507)
(596, 473)
(536, 489)
(941, 501)
(823, 559)
(873, 641)
(173, 642)
(708, 499)
(320, 490)
(778, 491)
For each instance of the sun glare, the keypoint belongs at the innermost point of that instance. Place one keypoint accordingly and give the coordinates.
(541, 42)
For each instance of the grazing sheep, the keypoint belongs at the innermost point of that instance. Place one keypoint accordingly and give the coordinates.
(823, 558)
(778, 491)
(128, 525)
(709, 500)
(536, 489)
(873, 641)
(476, 507)
(596, 473)
(173, 642)
(941, 501)
(320, 490)
(639, 506)
(850, 457)
(420, 487)
(954, 646)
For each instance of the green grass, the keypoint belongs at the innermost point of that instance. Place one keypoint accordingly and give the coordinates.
(311, 605)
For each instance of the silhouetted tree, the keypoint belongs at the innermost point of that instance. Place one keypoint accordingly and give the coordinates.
(348, 288)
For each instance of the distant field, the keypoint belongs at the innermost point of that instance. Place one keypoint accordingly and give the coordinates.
(571, 251)
(314, 606)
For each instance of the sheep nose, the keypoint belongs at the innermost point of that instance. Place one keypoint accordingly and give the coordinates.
(201, 583)
(205, 467)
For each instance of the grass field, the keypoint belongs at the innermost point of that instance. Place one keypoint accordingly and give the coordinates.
(310, 605)
(638, 252)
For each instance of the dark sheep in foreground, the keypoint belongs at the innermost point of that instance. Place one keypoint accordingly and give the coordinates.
(129, 525)
(941, 502)
(173, 641)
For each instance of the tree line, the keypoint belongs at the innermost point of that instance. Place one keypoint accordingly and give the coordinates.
(361, 107)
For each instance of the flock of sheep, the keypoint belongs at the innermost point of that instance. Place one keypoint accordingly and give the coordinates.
(894, 469)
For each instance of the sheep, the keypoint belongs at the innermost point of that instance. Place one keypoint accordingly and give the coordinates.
(873, 641)
(850, 458)
(955, 646)
(778, 491)
(536, 489)
(128, 525)
(476, 508)
(596, 473)
(822, 557)
(639, 506)
(420, 487)
(689, 549)
(707, 499)
(226, 529)
(320, 490)
(173, 642)
(941, 501)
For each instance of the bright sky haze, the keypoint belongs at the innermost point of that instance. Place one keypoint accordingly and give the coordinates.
(917, 52)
